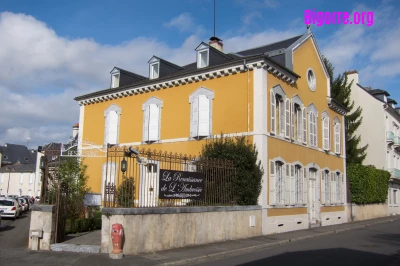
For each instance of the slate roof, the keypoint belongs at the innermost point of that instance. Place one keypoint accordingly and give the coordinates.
(19, 168)
(378, 91)
(13, 153)
(216, 59)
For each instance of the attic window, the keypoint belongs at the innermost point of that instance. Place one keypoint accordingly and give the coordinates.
(26, 159)
(311, 80)
(154, 70)
(202, 58)
(115, 81)
(5, 157)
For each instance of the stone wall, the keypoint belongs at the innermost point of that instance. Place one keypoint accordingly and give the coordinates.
(153, 229)
(365, 212)
(43, 219)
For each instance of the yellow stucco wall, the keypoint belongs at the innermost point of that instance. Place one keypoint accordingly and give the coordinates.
(232, 109)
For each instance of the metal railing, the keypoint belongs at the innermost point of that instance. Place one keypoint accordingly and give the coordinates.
(146, 178)
(397, 140)
(389, 136)
(395, 172)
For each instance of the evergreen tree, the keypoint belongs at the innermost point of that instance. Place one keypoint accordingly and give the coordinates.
(340, 91)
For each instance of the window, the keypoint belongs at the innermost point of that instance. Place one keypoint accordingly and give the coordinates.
(152, 119)
(154, 70)
(395, 196)
(279, 182)
(31, 178)
(2, 178)
(109, 171)
(325, 132)
(311, 79)
(111, 128)
(339, 188)
(313, 129)
(325, 186)
(201, 113)
(333, 188)
(21, 178)
(297, 122)
(115, 81)
(336, 129)
(202, 58)
(280, 114)
(298, 176)
(30, 193)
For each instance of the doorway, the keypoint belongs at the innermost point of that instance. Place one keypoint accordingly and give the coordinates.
(313, 198)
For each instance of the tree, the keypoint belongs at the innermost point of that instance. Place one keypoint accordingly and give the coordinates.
(126, 193)
(247, 183)
(340, 91)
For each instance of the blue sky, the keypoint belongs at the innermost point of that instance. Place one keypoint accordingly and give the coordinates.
(52, 51)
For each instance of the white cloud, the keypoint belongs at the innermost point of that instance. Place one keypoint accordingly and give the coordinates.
(250, 17)
(183, 22)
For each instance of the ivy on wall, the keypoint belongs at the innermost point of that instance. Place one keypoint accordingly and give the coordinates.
(368, 185)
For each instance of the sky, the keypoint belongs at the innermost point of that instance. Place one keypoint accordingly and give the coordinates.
(53, 51)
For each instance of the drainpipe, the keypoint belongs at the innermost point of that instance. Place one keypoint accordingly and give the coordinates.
(248, 97)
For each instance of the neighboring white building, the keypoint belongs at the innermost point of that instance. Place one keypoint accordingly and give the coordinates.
(20, 179)
(380, 130)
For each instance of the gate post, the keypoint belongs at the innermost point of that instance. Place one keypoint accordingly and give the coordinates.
(42, 226)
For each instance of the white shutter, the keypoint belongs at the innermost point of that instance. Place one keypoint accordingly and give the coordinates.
(343, 189)
(195, 117)
(282, 115)
(21, 178)
(287, 184)
(323, 177)
(331, 189)
(315, 130)
(304, 124)
(305, 186)
(325, 133)
(337, 138)
(204, 116)
(292, 186)
(338, 195)
(146, 119)
(2, 178)
(154, 122)
(273, 113)
(272, 188)
(31, 178)
(292, 121)
(112, 127)
(287, 118)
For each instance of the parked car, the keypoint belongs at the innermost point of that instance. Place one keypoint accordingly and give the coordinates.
(27, 202)
(37, 199)
(10, 208)
(1, 211)
(24, 204)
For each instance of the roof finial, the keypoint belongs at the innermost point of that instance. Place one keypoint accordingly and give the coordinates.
(308, 28)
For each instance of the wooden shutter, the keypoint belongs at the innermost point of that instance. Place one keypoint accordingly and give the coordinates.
(113, 127)
(146, 119)
(305, 186)
(195, 117)
(304, 123)
(204, 116)
(325, 133)
(337, 138)
(154, 119)
(323, 187)
(273, 113)
(272, 188)
(287, 184)
(287, 118)
(292, 120)
(292, 186)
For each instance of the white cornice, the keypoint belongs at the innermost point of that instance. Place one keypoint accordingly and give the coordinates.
(189, 79)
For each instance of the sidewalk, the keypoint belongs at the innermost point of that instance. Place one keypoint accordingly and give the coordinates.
(214, 251)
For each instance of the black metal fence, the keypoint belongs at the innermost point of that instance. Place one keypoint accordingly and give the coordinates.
(135, 178)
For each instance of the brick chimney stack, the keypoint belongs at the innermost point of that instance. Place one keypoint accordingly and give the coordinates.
(216, 43)
(75, 130)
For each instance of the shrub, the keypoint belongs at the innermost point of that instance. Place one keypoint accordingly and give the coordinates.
(368, 185)
(247, 183)
(126, 193)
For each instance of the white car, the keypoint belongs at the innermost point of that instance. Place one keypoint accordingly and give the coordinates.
(10, 208)
(23, 204)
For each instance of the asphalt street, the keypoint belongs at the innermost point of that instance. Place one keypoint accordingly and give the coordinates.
(375, 245)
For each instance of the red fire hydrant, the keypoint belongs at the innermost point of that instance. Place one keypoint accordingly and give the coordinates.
(116, 236)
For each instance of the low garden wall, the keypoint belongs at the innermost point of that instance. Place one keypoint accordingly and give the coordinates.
(154, 229)
(43, 220)
(368, 211)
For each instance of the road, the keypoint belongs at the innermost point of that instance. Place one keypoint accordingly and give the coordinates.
(375, 245)
(14, 234)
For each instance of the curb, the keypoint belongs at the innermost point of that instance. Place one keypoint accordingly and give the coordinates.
(75, 248)
(241, 251)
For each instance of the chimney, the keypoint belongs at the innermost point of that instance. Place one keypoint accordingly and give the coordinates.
(75, 130)
(216, 43)
(352, 75)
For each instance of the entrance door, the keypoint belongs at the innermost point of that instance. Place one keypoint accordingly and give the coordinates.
(148, 194)
(312, 200)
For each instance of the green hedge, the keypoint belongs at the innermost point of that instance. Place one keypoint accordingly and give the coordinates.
(368, 185)
(82, 225)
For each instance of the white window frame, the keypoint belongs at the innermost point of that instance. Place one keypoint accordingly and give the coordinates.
(111, 108)
(298, 114)
(278, 101)
(154, 66)
(115, 79)
(195, 112)
(111, 168)
(199, 53)
(21, 178)
(337, 128)
(147, 116)
(31, 175)
(299, 183)
(313, 136)
(326, 140)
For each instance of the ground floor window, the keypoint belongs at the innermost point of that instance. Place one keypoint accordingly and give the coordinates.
(298, 175)
(395, 196)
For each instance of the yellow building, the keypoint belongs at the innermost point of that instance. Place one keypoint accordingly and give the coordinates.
(278, 95)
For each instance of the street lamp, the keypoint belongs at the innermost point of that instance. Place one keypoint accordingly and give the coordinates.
(123, 166)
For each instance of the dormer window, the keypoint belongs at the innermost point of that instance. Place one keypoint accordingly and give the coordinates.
(115, 80)
(154, 70)
(202, 60)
